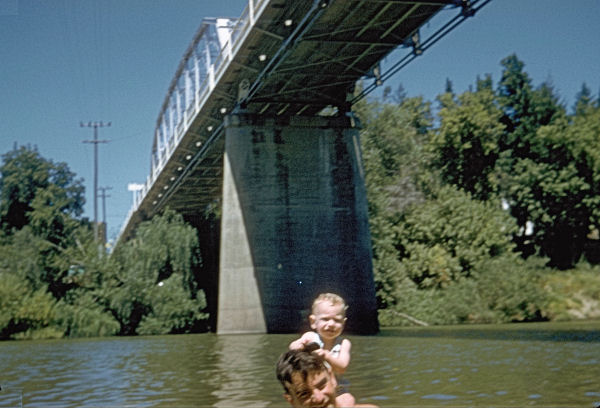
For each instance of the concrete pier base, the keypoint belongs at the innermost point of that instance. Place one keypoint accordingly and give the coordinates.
(294, 224)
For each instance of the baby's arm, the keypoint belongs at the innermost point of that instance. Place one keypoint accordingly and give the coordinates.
(341, 362)
(306, 338)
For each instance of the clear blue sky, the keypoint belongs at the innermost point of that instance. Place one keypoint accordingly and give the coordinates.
(67, 61)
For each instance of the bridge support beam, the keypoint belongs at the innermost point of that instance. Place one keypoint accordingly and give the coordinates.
(294, 224)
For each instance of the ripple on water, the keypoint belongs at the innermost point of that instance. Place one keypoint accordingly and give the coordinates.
(443, 397)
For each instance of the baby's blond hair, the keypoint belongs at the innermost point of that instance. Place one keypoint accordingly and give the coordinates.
(331, 298)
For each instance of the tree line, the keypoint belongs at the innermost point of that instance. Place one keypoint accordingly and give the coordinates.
(484, 206)
(55, 281)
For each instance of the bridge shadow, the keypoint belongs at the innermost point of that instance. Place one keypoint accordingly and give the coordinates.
(208, 228)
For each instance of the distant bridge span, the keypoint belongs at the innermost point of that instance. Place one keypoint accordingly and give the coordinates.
(283, 72)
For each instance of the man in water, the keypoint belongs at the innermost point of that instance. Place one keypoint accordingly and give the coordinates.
(308, 381)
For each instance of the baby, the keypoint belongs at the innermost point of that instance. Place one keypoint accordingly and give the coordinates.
(327, 320)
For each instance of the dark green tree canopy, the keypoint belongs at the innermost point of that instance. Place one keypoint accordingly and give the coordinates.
(37, 191)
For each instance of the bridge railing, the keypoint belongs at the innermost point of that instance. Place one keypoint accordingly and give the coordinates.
(203, 64)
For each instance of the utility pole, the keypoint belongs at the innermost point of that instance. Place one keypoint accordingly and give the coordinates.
(104, 196)
(95, 142)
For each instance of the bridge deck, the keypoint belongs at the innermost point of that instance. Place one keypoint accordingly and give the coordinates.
(283, 57)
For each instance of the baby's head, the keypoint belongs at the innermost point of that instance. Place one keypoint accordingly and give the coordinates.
(328, 315)
(329, 299)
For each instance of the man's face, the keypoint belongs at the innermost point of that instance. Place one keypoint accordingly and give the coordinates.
(317, 392)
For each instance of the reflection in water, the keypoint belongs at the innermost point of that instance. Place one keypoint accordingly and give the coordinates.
(517, 365)
(239, 368)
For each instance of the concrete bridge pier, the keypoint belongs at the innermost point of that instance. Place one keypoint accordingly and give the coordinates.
(294, 224)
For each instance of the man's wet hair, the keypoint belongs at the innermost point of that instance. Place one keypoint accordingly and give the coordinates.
(298, 362)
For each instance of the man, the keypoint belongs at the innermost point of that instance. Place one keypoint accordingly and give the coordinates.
(309, 382)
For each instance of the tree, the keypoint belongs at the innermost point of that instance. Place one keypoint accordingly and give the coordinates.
(583, 101)
(37, 191)
(154, 291)
(525, 109)
(45, 198)
(446, 238)
(392, 142)
(465, 147)
(558, 188)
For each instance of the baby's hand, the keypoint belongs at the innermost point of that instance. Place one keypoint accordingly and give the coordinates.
(321, 353)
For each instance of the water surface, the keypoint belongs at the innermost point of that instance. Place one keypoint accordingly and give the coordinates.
(514, 365)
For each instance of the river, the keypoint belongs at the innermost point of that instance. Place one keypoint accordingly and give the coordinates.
(516, 365)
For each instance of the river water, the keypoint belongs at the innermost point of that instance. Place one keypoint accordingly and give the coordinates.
(545, 364)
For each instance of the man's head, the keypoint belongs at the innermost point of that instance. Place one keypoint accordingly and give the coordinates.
(307, 381)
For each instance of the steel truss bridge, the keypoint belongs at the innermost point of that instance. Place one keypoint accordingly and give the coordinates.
(279, 58)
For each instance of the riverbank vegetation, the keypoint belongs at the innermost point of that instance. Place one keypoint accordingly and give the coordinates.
(54, 279)
(484, 207)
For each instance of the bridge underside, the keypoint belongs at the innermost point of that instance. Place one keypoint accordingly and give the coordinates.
(285, 170)
(310, 65)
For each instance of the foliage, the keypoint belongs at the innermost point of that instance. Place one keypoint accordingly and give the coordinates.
(85, 316)
(56, 281)
(447, 254)
(465, 146)
(519, 145)
(505, 290)
(573, 294)
(25, 312)
(558, 189)
(392, 141)
(172, 309)
(444, 239)
(154, 290)
(37, 191)
(39, 201)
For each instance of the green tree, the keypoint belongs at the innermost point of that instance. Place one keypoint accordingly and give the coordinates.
(583, 101)
(525, 108)
(392, 141)
(26, 312)
(444, 240)
(36, 191)
(154, 290)
(559, 191)
(465, 147)
(39, 201)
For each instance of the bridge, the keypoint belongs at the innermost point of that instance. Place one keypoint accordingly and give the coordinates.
(257, 126)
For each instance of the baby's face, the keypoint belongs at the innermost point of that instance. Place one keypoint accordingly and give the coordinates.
(328, 320)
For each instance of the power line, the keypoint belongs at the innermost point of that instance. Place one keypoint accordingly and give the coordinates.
(95, 142)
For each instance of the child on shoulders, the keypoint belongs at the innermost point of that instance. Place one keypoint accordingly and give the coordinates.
(327, 319)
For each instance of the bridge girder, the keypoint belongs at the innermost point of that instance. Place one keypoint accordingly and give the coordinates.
(299, 58)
